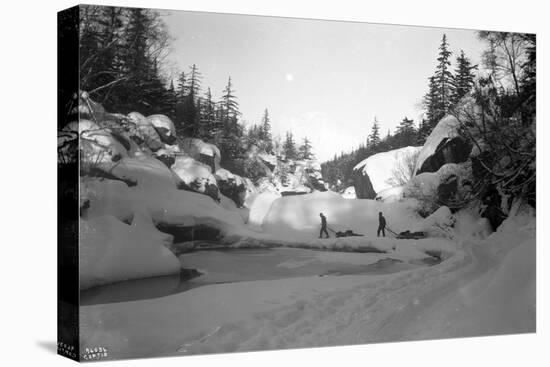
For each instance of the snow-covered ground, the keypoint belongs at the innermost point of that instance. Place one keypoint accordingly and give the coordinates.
(460, 281)
(485, 287)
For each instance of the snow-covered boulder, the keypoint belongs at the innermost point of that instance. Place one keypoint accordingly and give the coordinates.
(145, 171)
(81, 126)
(165, 128)
(100, 147)
(266, 185)
(233, 186)
(379, 171)
(444, 145)
(113, 251)
(451, 185)
(206, 153)
(270, 160)
(438, 224)
(146, 130)
(196, 176)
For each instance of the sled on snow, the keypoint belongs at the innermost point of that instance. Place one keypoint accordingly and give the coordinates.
(348, 233)
(345, 233)
(407, 235)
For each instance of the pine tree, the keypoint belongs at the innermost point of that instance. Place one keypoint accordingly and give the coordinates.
(405, 134)
(171, 101)
(230, 107)
(305, 150)
(209, 121)
(424, 131)
(289, 147)
(374, 137)
(194, 82)
(265, 133)
(182, 86)
(464, 77)
(439, 99)
(444, 77)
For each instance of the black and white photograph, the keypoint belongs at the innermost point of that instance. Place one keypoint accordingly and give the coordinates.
(236, 183)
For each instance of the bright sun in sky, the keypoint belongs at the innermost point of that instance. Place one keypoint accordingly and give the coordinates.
(289, 77)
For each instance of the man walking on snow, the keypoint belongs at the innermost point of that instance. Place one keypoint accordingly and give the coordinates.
(323, 226)
(381, 225)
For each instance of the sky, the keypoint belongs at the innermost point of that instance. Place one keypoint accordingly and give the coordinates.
(326, 80)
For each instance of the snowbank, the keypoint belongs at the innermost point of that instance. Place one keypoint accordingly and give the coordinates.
(165, 205)
(112, 251)
(390, 195)
(297, 217)
(259, 205)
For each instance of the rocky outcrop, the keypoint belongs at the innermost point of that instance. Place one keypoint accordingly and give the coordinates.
(196, 176)
(164, 127)
(232, 186)
(146, 131)
(444, 145)
(363, 186)
(383, 171)
(206, 153)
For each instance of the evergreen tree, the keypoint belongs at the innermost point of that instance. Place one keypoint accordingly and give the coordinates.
(189, 110)
(265, 133)
(171, 101)
(230, 107)
(374, 137)
(289, 146)
(424, 131)
(182, 86)
(209, 121)
(194, 83)
(439, 99)
(305, 150)
(444, 77)
(405, 134)
(464, 77)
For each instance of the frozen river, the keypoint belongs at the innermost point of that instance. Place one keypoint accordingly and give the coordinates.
(238, 265)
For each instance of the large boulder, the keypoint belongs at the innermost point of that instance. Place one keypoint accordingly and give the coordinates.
(444, 145)
(145, 171)
(196, 176)
(206, 153)
(451, 186)
(382, 171)
(233, 186)
(146, 130)
(165, 128)
(99, 146)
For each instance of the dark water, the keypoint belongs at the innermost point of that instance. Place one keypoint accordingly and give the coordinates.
(238, 265)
